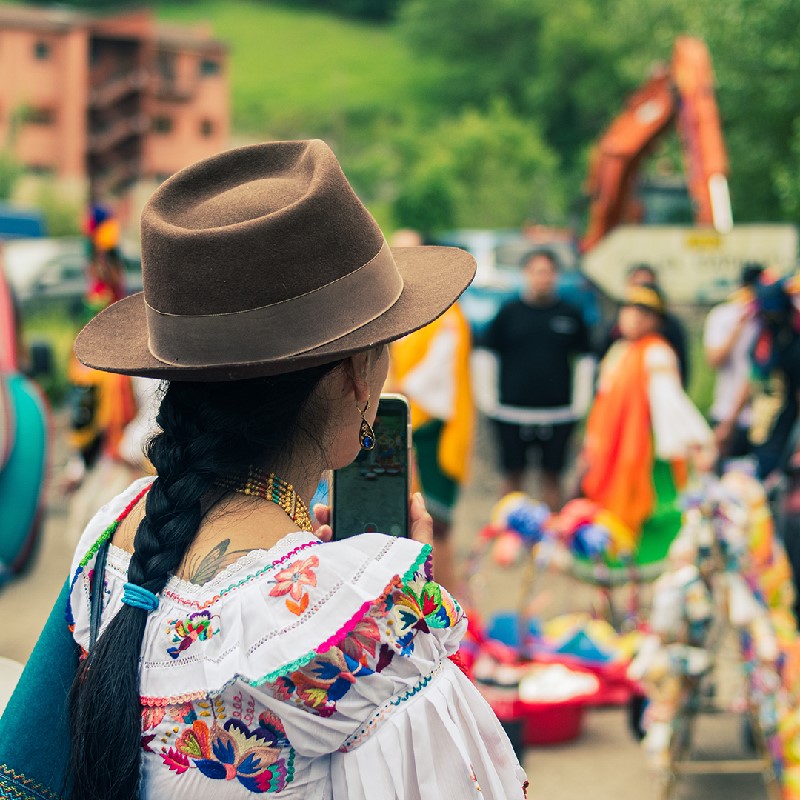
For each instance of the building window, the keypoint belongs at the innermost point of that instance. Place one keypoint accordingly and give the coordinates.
(209, 66)
(39, 116)
(43, 170)
(162, 124)
(206, 128)
(41, 50)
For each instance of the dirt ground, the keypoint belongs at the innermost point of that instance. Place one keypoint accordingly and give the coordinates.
(604, 763)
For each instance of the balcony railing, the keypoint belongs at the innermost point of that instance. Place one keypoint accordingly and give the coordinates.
(117, 131)
(118, 86)
(115, 176)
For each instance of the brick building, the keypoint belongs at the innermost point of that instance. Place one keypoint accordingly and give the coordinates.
(106, 101)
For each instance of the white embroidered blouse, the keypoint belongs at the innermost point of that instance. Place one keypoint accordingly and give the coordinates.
(310, 670)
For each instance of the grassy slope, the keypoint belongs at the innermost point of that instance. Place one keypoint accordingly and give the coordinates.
(294, 70)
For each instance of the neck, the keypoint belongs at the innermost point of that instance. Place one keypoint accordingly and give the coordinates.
(288, 492)
(304, 475)
(538, 299)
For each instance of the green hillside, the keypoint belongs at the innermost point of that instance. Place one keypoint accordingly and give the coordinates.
(296, 72)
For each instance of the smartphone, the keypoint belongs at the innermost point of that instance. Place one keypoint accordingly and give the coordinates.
(371, 494)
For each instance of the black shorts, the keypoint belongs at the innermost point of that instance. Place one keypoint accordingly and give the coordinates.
(516, 442)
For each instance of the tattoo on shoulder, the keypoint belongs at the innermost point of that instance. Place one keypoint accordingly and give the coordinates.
(201, 569)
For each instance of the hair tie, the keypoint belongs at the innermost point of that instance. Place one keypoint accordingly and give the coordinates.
(138, 597)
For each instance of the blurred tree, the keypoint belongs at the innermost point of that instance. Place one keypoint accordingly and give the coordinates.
(571, 66)
(376, 10)
(787, 178)
(554, 62)
(62, 215)
(485, 170)
(757, 62)
(483, 50)
(10, 171)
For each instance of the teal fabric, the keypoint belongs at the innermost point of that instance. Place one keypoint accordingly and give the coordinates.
(22, 477)
(34, 729)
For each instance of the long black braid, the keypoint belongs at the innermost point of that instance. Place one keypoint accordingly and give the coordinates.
(208, 430)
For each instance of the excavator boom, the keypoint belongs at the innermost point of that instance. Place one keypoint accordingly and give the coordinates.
(682, 95)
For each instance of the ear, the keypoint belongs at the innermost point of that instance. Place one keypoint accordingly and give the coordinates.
(356, 370)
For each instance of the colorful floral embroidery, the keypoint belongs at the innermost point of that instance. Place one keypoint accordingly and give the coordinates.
(260, 758)
(363, 642)
(197, 627)
(292, 580)
(323, 681)
(438, 608)
(388, 627)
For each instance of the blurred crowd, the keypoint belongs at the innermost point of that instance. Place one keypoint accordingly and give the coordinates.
(595, 411)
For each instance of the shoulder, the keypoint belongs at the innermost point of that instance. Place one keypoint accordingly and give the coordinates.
(721, 313)
(104, 517)
(568, 309)
(511, 307)
(274, 611)
(659, 355)
(718, 318)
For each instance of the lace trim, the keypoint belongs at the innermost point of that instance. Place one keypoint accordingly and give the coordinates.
(293, 666)
(382, 711)
(237, 566)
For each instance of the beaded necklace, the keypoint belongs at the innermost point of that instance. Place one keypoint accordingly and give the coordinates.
(272, 488)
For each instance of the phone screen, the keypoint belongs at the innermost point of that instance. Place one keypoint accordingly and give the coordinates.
(371, 494)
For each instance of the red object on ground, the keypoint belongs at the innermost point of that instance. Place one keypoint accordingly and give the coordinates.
(542, 723)
(552, 723)
(616, 689)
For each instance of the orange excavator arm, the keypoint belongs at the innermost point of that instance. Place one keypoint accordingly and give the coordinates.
(704, 154)
(682, 95)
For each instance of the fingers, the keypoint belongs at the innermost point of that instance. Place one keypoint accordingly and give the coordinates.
(322, 514)
(324, 533)
(421, 521)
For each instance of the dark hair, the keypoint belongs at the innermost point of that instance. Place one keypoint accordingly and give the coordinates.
(643, 266)
(751, 273)
(544, 252)
(208, 430)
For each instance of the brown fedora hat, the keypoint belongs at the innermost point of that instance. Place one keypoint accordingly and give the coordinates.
(262, 260)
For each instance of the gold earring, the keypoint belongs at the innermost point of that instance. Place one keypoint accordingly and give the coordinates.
(366, 436)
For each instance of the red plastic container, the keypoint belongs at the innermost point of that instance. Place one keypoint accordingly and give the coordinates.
(551, 723)
(616, 689)
(543, 723)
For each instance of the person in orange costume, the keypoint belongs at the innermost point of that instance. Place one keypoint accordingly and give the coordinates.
(432, 368)
(642, 429)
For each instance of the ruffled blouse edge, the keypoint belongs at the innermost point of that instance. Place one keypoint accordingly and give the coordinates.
(292, 666)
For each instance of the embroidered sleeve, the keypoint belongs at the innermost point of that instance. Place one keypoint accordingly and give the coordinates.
(389, 651)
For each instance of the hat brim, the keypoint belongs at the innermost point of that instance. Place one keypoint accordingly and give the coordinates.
(116, 339)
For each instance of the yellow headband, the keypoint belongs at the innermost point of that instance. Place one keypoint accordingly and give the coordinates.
(644, 297)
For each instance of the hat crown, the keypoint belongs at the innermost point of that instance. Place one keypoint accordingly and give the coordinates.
(252, 227)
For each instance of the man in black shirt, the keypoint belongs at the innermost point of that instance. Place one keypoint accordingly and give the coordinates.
(536, 339)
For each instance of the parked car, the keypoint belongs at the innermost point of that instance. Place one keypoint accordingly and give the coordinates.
(500, 256)
(46, 269)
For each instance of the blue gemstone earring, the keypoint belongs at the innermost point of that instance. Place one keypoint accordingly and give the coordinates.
(366, 436)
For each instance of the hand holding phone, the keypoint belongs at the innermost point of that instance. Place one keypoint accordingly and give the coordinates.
(372, 493)
(420, 521)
